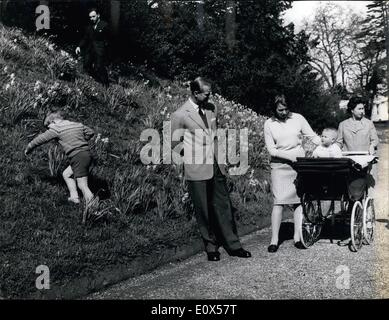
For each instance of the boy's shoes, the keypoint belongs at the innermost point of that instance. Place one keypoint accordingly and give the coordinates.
(74, 200)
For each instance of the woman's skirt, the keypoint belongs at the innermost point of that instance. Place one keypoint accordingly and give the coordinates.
(283, 184)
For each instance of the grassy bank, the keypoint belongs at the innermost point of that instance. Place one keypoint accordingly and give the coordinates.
(147, 207)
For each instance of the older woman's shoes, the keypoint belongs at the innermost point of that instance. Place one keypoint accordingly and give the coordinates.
(299, 245)
(272, 248)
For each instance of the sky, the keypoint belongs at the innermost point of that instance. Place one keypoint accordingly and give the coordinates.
(305, 9)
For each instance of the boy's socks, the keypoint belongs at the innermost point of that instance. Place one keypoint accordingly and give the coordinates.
(74, 200)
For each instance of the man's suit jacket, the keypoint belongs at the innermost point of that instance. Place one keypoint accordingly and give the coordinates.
(96, 39)
(199, 144)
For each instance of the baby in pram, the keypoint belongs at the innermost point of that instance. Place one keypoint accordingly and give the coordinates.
(328, 147)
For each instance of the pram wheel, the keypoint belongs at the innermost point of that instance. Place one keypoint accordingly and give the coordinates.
(309, 232)
(368, 221)
(356, 226)
(311, 223)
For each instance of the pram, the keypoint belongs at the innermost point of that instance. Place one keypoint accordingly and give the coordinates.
(344, 181)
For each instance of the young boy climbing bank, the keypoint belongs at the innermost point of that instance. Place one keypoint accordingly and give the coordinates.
(73, 137)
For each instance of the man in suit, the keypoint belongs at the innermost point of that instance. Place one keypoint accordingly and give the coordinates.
(205, 176)
(94, 46)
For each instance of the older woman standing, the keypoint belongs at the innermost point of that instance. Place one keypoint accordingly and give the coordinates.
(283, 137)
(357, 133)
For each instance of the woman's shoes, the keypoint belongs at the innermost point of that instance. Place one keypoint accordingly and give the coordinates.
(299, 245)
(272, 248)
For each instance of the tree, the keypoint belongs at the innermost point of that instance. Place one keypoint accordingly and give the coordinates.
(243, 47)
(379, 17)
(373, 58)
(230, 23)
(115, 16)
(332, 48)
(3, 8)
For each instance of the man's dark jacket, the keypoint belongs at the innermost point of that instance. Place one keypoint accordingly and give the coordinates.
(95, 40)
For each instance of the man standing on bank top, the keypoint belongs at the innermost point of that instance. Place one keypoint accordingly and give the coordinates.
(94, 47)
(204, 175)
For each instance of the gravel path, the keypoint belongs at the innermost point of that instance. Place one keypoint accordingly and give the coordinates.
(325, 271)
(382, 205)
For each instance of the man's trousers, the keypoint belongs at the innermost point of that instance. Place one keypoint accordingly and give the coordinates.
(213, 211)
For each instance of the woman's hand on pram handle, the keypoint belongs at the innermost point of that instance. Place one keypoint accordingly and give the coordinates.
(288, 159)
(293, 159)
(373, 160)
(363, 161)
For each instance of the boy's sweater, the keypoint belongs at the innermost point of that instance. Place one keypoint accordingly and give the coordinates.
(72, 136)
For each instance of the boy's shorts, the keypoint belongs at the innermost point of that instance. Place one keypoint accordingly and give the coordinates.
(80, 164)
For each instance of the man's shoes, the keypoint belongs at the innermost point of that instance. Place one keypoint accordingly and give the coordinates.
(213, 256)
(241, 253)
(299, 245)
(272, 248)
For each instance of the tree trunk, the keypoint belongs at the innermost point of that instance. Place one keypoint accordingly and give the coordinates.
(3, 9)
(168, 13)
(115, 16)
(333, 71)
(200, 15)
(342, 68)
(230, 23)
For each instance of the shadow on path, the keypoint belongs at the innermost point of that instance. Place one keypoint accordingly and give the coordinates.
(384, 221)
(338, 232)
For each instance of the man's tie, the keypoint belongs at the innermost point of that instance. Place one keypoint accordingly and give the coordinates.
(204, 117)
